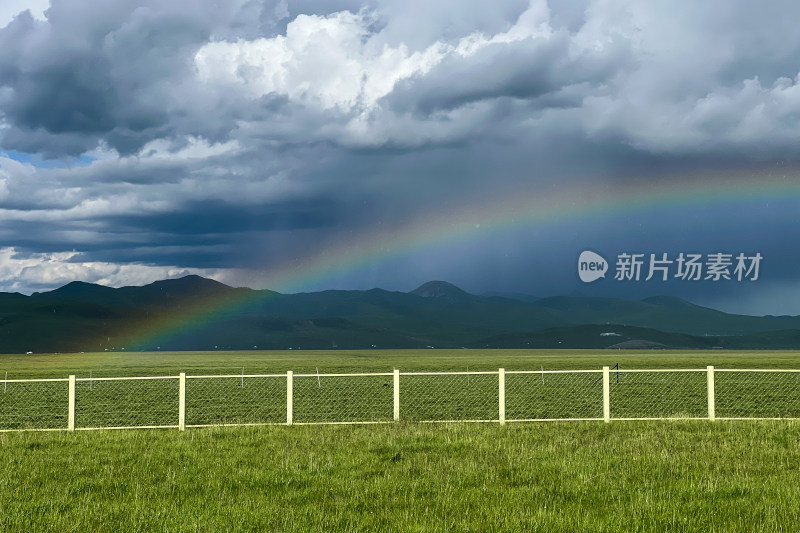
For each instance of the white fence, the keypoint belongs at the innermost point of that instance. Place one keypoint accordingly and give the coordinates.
(78, 403)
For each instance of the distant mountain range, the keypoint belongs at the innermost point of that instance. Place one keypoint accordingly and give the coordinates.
(194, 313)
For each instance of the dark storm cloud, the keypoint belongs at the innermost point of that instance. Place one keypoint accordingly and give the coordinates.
(528, 69)
(215, 217)
(110, 73)
(252, 134)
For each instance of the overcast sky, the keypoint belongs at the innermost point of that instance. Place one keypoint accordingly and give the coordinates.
(314, 144)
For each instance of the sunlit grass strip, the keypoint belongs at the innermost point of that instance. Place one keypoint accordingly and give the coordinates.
(348, 361)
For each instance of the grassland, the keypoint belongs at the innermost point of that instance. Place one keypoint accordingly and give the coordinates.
(571, 476)
(264, 362)
(632, 476)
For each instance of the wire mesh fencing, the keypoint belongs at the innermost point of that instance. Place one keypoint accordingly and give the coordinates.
(235, 400)
(554, 395)
(492, 396)
(331, 398)
(126, 402)
(34, 404)
(659, 394)
(449, 396)
(757, 393)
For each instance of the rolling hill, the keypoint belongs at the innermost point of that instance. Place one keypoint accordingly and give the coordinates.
(193, 313)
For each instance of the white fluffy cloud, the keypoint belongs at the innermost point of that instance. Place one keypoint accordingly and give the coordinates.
(707, 78)
(630, 69)
(751, 116)
(342, 69)
(21, 272)
(338, 62)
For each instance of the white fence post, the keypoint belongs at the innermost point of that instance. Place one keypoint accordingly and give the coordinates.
(71, 408)
(606, 395)
(289, 397)
(396, 388)
(712, 415)
(182, 402)
(501, 374)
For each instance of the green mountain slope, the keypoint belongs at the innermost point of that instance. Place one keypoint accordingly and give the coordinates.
(193, 313)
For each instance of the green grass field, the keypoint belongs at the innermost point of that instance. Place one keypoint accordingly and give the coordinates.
(265, 362)
(558, 476)
(577, 476)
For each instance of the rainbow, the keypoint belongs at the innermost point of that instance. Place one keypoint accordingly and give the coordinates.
(534, 209)
(477, 219)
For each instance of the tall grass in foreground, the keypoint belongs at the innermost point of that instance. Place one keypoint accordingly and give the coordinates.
(577, 476)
